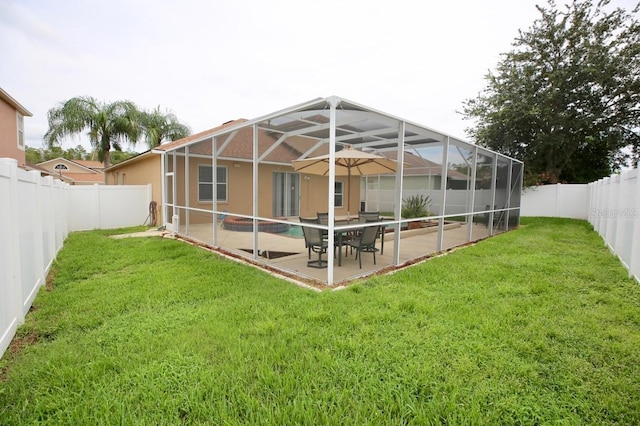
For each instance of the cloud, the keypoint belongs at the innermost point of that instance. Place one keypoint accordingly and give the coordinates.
(23, 21)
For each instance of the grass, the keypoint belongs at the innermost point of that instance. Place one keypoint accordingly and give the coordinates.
(539, 325)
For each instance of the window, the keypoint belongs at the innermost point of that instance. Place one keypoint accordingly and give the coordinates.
(205, 183)
(60, 167)
(338, 195)
(20, 131)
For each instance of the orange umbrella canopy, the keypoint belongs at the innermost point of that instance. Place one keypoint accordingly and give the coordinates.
(349, 162)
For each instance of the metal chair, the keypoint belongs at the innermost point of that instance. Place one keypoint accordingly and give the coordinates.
(364, 217)
(314, 242)
(323, 218)
(365, 243)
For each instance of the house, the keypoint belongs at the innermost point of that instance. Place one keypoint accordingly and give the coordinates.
(12, 140)
(241, 172)
(233, 174)
(74, 172)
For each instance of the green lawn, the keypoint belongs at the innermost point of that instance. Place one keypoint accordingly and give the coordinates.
(539, 325)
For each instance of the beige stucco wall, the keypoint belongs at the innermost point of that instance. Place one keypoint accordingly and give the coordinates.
(142, 171)
(9, 134)
(313, 191)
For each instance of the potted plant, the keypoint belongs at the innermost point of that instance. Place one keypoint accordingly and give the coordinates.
(416, 206)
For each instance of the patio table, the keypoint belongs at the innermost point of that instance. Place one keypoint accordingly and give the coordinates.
(340, 233)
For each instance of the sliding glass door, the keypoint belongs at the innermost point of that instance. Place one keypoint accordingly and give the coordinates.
(286, 194)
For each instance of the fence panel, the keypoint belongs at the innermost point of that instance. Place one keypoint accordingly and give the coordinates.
(614, 212)
(36, 215)
(10, 284)
(558, 200)
(108, 207)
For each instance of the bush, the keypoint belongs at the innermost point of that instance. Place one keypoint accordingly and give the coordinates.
(416, 206)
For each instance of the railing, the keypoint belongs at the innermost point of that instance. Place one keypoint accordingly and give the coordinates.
(36, 215)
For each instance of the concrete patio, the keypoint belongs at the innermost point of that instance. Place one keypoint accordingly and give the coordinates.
(414, 244)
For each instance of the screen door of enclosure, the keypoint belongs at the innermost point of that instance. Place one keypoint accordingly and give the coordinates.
(286, 194)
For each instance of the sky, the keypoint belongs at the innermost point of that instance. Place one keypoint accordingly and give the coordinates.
(214, 61)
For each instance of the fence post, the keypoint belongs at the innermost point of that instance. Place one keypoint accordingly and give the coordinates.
(12, 305)
(98, 220)
(634, 263)
(38, 240)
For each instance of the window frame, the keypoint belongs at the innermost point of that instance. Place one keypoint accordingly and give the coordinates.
(218, 183)
(338, 193)
(20, 130)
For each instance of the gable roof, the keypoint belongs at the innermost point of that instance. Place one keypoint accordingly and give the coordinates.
(78, 163)
(177, 143)
(15, 104)
(233, 145)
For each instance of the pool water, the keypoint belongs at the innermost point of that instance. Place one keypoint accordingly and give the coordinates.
(293, 231)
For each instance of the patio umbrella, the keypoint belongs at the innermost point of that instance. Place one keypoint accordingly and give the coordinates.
(349, 162)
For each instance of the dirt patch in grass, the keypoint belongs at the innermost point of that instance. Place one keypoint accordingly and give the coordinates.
(50, 278)
(17, 344)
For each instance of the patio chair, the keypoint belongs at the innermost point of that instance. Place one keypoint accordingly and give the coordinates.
(364, 217)
(323, 218)
(365, 243)
(314, 242)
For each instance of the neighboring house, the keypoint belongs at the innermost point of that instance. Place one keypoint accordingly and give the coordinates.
(74, 172)
(12, 128)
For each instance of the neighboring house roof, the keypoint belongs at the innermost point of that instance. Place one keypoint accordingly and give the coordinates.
(96, 165)
(418, 166)
(83, 165)
(83, 177)
(74, 171)
(43, 171)
(15, 104)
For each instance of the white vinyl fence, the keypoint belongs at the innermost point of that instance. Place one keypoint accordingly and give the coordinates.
(559, 200)
(36, 215)
(614, 212)
(611, 205)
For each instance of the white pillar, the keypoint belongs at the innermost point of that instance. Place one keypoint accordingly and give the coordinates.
(333, 104)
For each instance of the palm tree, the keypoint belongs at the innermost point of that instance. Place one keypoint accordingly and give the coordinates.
(108, 125)
(159, 127)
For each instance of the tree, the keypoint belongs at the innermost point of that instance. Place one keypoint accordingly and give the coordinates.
(566, 99)
(108, 125)
(159, 127)
(33, 155)
(120, 156)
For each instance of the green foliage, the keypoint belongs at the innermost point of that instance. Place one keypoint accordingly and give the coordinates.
(162, 127)
(416, 206)
(535, 326)
(108, 125)
(38, 155)
(565, 100)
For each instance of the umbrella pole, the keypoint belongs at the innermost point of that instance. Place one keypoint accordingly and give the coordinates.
(349, 195)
